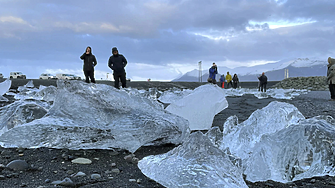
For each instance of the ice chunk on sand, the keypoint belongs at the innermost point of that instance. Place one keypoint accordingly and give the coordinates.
(5, 86)
(200, 106)
(97, 116)
(195, 163)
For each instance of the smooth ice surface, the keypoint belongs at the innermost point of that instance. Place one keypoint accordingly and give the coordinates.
(5, 86)
(200, 106)
(270, 119)
(300, 151)
(195, 163)
(97, 116)
(18, 113)
(173, 94)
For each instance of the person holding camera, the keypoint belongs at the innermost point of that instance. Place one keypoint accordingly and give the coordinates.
(89, 63)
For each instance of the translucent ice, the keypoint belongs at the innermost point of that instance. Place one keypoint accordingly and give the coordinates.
(5, 86)
(272, 118)
(195, 163)
(87, 116)
(200, 106)
(296, 152)
(19, 112)
(274, 93)
(173, 94)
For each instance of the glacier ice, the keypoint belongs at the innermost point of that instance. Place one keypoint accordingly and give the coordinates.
(173, 94)
(5, 86)
(195, 163)
(296, 152)
(274, 93)
(87, 116)
(275, 116)
(200, 106)
(19, 112)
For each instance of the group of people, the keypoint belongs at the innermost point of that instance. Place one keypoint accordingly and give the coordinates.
(117, 62)
(233, 81)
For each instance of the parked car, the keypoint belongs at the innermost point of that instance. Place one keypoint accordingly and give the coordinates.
(76, 77)
(47, 76)
(1, 75)
(65, 76)
(17, 75)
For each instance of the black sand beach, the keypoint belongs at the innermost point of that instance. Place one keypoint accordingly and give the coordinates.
(115, 167)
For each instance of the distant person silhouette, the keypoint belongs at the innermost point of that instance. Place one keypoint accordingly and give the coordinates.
(212, 74)
(229, 80)
(263, 80)
(117, 63)
(235, 81)
(331, 77)
(222, 80)
(89, 63)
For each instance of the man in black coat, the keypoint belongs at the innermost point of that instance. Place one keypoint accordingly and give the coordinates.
(117, 62)
(89, 63)
(263, 81)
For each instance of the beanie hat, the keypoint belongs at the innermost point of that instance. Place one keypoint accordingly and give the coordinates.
(114, 49)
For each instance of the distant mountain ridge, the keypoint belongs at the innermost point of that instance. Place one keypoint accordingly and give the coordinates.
(299, 67)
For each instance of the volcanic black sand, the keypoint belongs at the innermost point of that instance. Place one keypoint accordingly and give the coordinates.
(115, 167)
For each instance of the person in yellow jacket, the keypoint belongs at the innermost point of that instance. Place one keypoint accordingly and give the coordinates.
(228, 78)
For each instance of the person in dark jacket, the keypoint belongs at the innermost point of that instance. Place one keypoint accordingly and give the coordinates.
(222, 80)
(235, 81)
(263, 81)
(212, 74)
(331, 77)
(89, 63)
(117, 62)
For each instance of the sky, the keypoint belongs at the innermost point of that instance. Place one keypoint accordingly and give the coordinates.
(161, 39)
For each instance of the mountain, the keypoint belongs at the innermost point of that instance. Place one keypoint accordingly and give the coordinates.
(299, 67)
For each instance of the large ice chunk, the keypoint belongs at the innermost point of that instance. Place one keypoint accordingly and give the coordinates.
(173, 94)
(272, 118)
(19, 112)
(5, 86)
(296, 152)
(195, 163)
(87, 116)
(200, 106)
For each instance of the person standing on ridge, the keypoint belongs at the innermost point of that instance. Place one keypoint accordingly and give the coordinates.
(212, 73)
(89, 63)
(222, 80)
(117, 63)
(263, 81)
(331, 77)
(235, 81)
(229, 80)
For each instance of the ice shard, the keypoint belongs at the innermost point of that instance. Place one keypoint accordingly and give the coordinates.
(270, 119)
(18, 113)
(195, 163)
(200, 106)
(88, 116)
(5, 86)
(296, 152)
(173, 94)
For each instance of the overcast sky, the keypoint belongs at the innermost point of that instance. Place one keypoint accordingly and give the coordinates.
(161, 39)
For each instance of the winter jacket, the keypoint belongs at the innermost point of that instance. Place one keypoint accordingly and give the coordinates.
(117, 63)
(89, 61)
(235, 79)
(212, 72)
(228, 78)
(222, 79)
(331, 71)
(263, 79)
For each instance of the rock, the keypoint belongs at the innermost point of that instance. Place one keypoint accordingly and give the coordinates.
(79, 174)
(18, 165)
(67, 182)
(2, 177)
(116, 170)
(81, 161)
(95, 176)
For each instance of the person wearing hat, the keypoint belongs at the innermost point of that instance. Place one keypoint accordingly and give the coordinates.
(89, 63)
(117, 62)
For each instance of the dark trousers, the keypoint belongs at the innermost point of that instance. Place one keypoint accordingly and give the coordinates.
(235, 85)
(89, 74)
(332, 90)
(263, 87)
(117, 78)
(230, 83)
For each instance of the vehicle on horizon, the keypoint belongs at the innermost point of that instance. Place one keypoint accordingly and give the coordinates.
(76, 77)
(65, 76)
(47, 76)
(17, 75)
(1, 76)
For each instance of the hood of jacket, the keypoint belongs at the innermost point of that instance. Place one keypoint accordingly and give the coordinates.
(331, 62)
